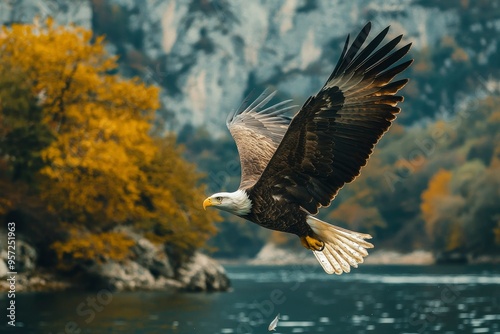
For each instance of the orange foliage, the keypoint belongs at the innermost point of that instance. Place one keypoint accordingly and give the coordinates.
(423, 63)
(174, 201)
(84, 246)
(357, 216)
(397, 130)
(438, 187)
(495, 160)
(456, 236)
(5, 205)
(422, 67)
(494, 117)
(448, 41)
(102, 121)
(496, 231)
(103, 167)
(459, 55)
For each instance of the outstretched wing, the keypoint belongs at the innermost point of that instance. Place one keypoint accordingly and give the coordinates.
(257, 133)
(334, 133)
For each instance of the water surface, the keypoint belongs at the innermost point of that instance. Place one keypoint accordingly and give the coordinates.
(371, 299)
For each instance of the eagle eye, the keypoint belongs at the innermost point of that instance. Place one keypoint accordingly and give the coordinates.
(219, 199)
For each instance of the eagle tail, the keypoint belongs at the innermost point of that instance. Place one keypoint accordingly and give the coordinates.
(343, 248)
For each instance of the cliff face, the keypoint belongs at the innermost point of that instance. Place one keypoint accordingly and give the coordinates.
(209, 54)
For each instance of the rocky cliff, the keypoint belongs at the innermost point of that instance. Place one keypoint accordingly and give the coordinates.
(207, 55)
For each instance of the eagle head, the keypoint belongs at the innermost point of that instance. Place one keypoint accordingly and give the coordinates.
(237, 202)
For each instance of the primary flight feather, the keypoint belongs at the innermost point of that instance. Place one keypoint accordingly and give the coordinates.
(293, 166)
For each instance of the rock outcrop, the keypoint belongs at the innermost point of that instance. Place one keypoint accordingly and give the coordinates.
(200, 273)
(147, 268)
(29, 276)
(26, 256)
(273, 254)
(203, 273)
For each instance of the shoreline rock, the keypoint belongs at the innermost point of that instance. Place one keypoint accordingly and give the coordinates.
(270, 254)
(203, 273)
(41, 281)
(200, 274)
(387, 257)
(149, 267)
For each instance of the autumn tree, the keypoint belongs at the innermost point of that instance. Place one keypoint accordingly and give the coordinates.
(437, 189)
(80, 136)
(440, 211)
(171, 196)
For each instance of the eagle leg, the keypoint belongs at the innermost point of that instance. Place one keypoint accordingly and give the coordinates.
(312, 243)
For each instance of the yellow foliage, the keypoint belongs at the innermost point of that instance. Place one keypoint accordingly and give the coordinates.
(5, 205)
(102, 121)
(456, 236)
(423, 63)
(422, 67)
(103, 168)
(359, 217)
(460, 55)
(85, 246)
(174, 200)
(448, 41)
(494, 117)
(438, 187)
(397, 130)
(496, 232)
(495, 160)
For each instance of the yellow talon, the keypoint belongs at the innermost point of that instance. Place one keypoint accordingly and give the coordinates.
(312, 243)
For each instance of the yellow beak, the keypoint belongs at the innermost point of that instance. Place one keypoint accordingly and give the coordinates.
(207, 202)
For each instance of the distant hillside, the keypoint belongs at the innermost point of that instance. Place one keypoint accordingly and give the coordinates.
(207, 55)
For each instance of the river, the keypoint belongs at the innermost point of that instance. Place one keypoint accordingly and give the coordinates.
(369, 300)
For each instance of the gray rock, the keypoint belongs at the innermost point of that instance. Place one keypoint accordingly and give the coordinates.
(161, 266)
(121, 276)
(203, 273)
(26, 256)
(3, 269)
(150, 268)
(149, 255)
(153, 258)
(163, 283)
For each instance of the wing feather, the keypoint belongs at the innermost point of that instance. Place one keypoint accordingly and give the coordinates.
(331, 138)
(257, 133)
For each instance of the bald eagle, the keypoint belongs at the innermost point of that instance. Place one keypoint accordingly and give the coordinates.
(293, 166)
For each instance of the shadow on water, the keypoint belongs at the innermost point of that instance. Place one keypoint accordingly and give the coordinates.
(371, 299)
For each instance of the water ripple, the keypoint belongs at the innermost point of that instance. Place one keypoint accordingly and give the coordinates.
(274, 276)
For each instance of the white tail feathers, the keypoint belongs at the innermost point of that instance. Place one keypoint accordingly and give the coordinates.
(343, 248)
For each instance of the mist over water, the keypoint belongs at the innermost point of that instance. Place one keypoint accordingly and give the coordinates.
(371, 299)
